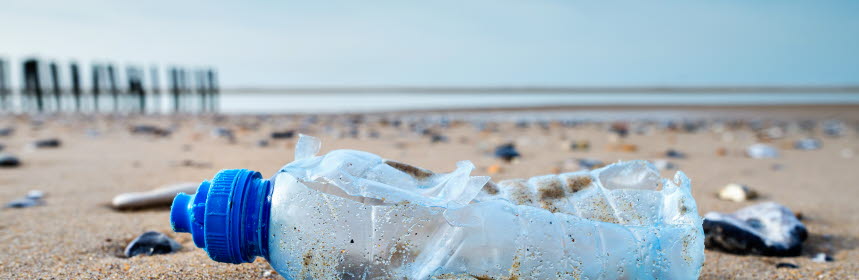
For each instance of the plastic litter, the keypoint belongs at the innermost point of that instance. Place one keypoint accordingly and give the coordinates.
(352, 214)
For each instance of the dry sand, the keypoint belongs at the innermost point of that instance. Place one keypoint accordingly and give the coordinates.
(76, 235)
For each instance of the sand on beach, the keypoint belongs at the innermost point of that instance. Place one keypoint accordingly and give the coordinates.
(76, 235)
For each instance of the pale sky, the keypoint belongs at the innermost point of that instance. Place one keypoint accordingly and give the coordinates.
(452, 43)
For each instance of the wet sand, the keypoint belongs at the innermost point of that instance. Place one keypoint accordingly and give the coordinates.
(77, 235)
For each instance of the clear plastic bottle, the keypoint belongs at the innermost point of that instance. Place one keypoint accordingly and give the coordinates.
(353, 215)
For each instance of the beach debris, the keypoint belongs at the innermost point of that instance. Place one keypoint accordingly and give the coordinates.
(436, 138)
(159, 197)
(286, 134)
(223, 132)
(822, 258)
(663, 164)
(589, 163)
(672, 153)
(7, 131)
(494, 169)
(833, 128)
(580, 145)
(507, 152)
(620, 128)
(47, 143)
(152, 130)
(152, 243)
(737, 193)
(762, 151)
(807, 144)
(192, 163)
(33, 198)
(786, 265)
(721, 151)
(623, 147)
(8, 160)
(768, 229)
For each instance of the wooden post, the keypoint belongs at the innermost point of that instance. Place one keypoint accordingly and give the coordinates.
(55, 85)
(174, 88)
(213, 90)
(114, 89)
(4, 86)
(32, 83)
(76, 85)
(96, 84)
(202, 86)
(155, 85)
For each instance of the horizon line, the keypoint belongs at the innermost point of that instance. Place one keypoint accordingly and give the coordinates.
(550, 89)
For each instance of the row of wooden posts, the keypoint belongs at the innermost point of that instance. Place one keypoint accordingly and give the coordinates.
(41, 89)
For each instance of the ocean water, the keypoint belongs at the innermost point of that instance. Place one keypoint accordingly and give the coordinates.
(273, 102)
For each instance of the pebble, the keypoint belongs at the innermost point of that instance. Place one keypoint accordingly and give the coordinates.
(494, 169)
(152, 243)
(587, 163)
(768, 229)
(159, 197)
(807, 144)
(149, 130)
(822, 258)
(6, 131)
(506, 152)
(762, 151)
(671, 153)
(47, 143)
(833, 128)
(436, 138)
(786, 265)
(262, 143)
(7, 160)
(721, 151)
(33, 198)
(663, 165)
(225, 133)
(286, 134)
(737, 193)
(581, 145)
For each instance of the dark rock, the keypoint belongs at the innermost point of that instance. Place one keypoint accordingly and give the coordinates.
(7, 160)
(671, 153)
(33, 198)
(262, 143)
(150, 130)
(47, 143)
(287, 134)
(822, 258)
(807, 144)
(436, 138)
(506, 152)
(152, 243)
(833, 128)
(225, 133)
(768, 229)
(622, 129)
(6, 131)
(786, 265)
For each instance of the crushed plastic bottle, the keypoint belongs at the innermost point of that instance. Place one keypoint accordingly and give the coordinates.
(353, 215)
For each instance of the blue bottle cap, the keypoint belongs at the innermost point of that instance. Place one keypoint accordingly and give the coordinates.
(228, 216)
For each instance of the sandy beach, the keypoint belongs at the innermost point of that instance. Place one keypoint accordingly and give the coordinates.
(77, 235)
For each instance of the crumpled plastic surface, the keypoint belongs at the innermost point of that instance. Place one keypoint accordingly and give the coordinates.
(352, 214)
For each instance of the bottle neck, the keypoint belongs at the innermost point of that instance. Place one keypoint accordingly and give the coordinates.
(228, 216)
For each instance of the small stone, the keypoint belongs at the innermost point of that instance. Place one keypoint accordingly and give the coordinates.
(737, 193)
(588, 163)
(33, 198)
(436, 138)
(721, 151)
(150, 130)
(822, 258)
(223, 132)
(151, 243)
(623, 147)
(262, 143)
(286, 134)
(663, 165)
(768, 229)
(762, 151)
(786, 265)
(494, 169)
(6, 131)
(807, 144)
(833, 128)
(7, 160)
(47, 143)
(671, 153)
(35, 194)
(506, 152)
(581, 145)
